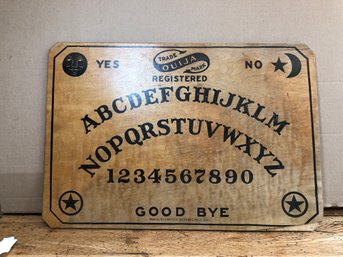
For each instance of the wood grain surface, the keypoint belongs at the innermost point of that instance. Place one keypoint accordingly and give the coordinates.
(35, 238)
(170, 136)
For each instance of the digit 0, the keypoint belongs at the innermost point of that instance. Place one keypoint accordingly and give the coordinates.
(247, 176)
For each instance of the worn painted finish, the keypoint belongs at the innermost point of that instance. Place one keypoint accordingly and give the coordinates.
(192, 136)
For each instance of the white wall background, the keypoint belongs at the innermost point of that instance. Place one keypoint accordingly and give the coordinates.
(29, 28)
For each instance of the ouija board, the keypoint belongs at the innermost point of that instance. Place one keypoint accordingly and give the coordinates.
(182, 136)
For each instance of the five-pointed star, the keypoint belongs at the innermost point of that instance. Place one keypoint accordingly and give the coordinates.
(70, 203)
(279, 65)
(294, 204)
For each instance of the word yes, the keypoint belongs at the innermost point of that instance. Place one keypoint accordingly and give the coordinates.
(108, 64)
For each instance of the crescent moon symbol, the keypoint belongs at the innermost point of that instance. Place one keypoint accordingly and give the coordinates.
(296, 65)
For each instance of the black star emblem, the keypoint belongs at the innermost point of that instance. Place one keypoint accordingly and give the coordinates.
(70, 203)
(294, 204)
(279, 65)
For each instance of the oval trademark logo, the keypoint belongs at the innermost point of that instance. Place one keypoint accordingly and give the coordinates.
(174, 59)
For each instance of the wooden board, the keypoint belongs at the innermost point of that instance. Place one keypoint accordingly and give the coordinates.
(182, 136)
(36, 239)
